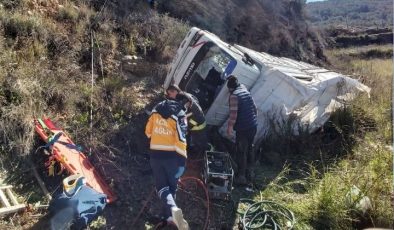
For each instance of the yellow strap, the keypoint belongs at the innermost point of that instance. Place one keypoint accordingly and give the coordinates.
(193, 122)
(51, 168)
(199, 127)
(61, 170)
(211, 148)
(63, 159)
(71, 181)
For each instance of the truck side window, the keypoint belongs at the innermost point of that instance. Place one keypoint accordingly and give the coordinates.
(206, 73)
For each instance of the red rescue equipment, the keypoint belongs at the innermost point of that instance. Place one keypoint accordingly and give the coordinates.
(70, 156)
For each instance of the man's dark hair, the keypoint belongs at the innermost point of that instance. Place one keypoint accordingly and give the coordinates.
(183, 98)
(174, 87)
(232, 82)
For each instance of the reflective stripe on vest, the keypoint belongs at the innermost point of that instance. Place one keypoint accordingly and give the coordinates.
(193, 122)
(168, 148)
(199, 127)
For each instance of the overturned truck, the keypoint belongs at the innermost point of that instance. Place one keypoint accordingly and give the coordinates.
(281, 87)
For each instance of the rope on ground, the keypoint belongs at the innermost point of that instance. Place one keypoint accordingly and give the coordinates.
(265, 214)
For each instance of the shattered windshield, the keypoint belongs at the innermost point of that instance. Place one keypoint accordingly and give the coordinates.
(207, 73)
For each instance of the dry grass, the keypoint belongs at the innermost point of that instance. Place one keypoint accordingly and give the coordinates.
(153, 35)
(45, 69)
(375, 73)
(357, 49)
(372, 159)
(16, 124)
(320, 199)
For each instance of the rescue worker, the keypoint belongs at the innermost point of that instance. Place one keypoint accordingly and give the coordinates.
(243, 119)
(166, 129)
(197, 138)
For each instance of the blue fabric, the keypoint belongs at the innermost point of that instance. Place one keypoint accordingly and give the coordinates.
(53, 139)
(180, 172)
(167, 108)
(164, 173)
(246, 115)
(86, 203)
(229, 68)
(158, 154)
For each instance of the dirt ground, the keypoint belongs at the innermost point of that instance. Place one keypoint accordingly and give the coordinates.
(134, 184)
(137, 207)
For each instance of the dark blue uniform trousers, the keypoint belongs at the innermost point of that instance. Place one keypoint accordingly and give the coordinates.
(165, 172)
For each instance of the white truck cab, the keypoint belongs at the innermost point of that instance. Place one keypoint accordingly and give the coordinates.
(280, 86)
(201, 66)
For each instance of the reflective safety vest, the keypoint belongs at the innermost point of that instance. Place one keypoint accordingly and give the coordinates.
(196, 119)
(167, 134)
(197, 127)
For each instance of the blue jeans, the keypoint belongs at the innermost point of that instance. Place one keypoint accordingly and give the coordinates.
(164, 171)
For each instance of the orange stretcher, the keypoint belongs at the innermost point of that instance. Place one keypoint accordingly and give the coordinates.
(71, 158)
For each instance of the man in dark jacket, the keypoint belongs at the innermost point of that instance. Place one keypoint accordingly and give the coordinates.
(166, 129)
(197, 141)
(243, 119)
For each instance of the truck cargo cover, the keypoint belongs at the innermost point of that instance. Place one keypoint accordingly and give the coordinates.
(306, 94)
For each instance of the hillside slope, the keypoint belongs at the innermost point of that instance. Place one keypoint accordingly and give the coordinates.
(46, 50)
(46, 70)
(277, 27)
(350, 13)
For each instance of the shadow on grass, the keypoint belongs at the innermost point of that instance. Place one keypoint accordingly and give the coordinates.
(332, 142)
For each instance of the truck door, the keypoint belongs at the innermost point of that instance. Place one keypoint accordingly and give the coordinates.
(205, 75)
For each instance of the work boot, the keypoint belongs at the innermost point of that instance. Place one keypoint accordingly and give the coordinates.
(177, 216)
